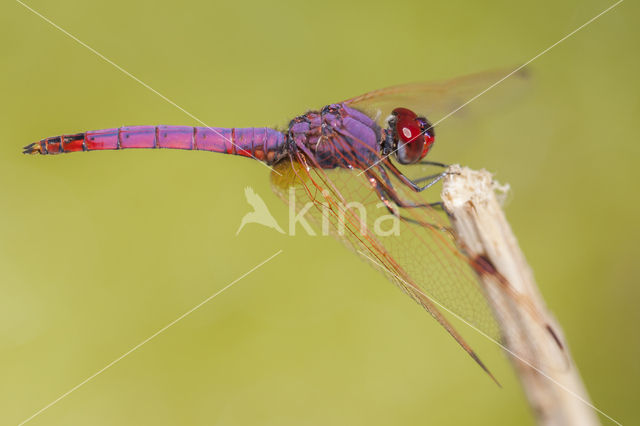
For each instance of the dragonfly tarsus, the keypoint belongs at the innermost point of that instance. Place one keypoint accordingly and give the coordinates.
(426, 178)
(410, 183)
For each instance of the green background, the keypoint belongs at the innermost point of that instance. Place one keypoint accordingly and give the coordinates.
(99, 251)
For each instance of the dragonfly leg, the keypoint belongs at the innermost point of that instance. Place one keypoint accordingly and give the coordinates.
(414, 185)
(433, 176)
(430, 177)
(388, 196)
(407, 204)
(382, 194)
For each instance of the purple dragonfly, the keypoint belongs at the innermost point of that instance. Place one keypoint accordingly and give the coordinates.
(353, 153)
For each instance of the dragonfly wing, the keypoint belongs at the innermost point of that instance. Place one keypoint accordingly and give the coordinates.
(423, 261)
(437, 100)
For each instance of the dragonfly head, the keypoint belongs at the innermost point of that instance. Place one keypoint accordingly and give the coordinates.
(412, 136)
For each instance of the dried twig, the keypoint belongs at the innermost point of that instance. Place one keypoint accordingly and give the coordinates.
(532, 338)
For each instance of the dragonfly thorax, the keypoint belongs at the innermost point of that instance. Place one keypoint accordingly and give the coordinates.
(336, 136)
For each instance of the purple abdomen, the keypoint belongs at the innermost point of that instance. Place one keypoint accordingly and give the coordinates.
(262, 143)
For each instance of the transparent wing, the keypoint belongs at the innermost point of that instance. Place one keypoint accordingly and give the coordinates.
(418, 253)
(435, 100)
(422, 260)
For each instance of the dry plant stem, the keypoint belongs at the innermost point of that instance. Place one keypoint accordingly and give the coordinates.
(533, 339)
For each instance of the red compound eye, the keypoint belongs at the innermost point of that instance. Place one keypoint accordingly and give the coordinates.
(413, 134)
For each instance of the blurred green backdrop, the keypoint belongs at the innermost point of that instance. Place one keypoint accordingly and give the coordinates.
(98, 251)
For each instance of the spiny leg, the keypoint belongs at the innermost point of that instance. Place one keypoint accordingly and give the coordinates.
(388, 196)
(429, 177)
(410, 183)
(402, 203)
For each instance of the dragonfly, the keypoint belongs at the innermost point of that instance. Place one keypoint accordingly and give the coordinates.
(350, 163)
